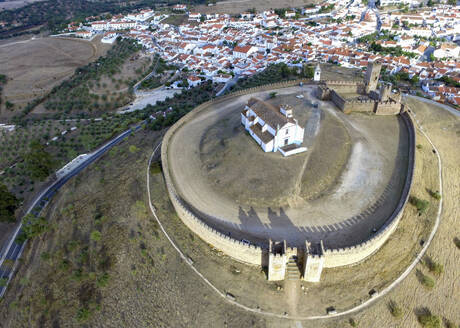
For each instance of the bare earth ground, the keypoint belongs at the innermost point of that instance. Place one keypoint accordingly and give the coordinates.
(239, 6)
(236, 187)
(34, 66)
(149, 285)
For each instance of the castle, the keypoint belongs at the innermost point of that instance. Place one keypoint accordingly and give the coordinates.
(364, 96)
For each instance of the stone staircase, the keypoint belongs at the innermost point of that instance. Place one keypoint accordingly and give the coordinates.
(292, 270)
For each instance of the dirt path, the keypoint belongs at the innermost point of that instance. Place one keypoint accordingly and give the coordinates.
(292, 288)
(311, 131)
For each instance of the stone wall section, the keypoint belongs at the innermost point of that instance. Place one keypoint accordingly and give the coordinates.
(256, 255)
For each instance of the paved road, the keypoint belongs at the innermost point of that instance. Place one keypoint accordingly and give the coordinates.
(14, 249)
(228, 85)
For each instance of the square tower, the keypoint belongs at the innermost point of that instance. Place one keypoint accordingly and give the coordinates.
(372, 75)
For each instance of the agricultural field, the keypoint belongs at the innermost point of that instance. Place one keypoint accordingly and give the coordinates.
(64, 140)
(34, 66)
(101, 86)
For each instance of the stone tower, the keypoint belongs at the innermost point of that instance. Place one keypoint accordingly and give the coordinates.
(276, 260)
(317, 76)
(313, 262)
(372, 75)
(385, 91)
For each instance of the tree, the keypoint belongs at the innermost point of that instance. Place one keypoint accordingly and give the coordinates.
(39, 163)
(8, 205)
(34, 226)
(95, 235)
(308, 71)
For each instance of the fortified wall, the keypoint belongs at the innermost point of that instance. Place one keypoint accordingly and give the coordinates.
(313, 258)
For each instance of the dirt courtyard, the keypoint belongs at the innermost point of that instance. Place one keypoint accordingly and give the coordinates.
(34, 66)
(258, 198)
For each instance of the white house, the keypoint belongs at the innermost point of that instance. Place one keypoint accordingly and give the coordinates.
(99, 26)
(447, 50)
(193, 80)
(180, 7)
(244, 51)
(194, 17)
(273, 128)
(221, 78)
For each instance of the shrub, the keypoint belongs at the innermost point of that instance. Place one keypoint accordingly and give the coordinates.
(419, 146)
(3, 282)
(45, 256)
(103, 280)
(457, 242)
(95, 235)
(427, 281)
(353, 322)
(155, 168)
(450, 324)
(434, 267)
(133, 149)
(435, 194)
(395, 310)
(273, 94)
(428, 320)
(421, 204)
(83, 314)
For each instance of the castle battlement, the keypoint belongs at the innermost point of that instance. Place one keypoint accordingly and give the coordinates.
(277, 255)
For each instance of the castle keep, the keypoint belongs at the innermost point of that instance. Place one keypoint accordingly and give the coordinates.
(362, 96)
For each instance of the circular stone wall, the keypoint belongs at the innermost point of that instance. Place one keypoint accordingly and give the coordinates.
(343, 188)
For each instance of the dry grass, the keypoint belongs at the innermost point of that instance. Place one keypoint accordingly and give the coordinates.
(126, 276)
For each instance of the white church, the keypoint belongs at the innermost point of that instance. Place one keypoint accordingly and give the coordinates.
(273, 128)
